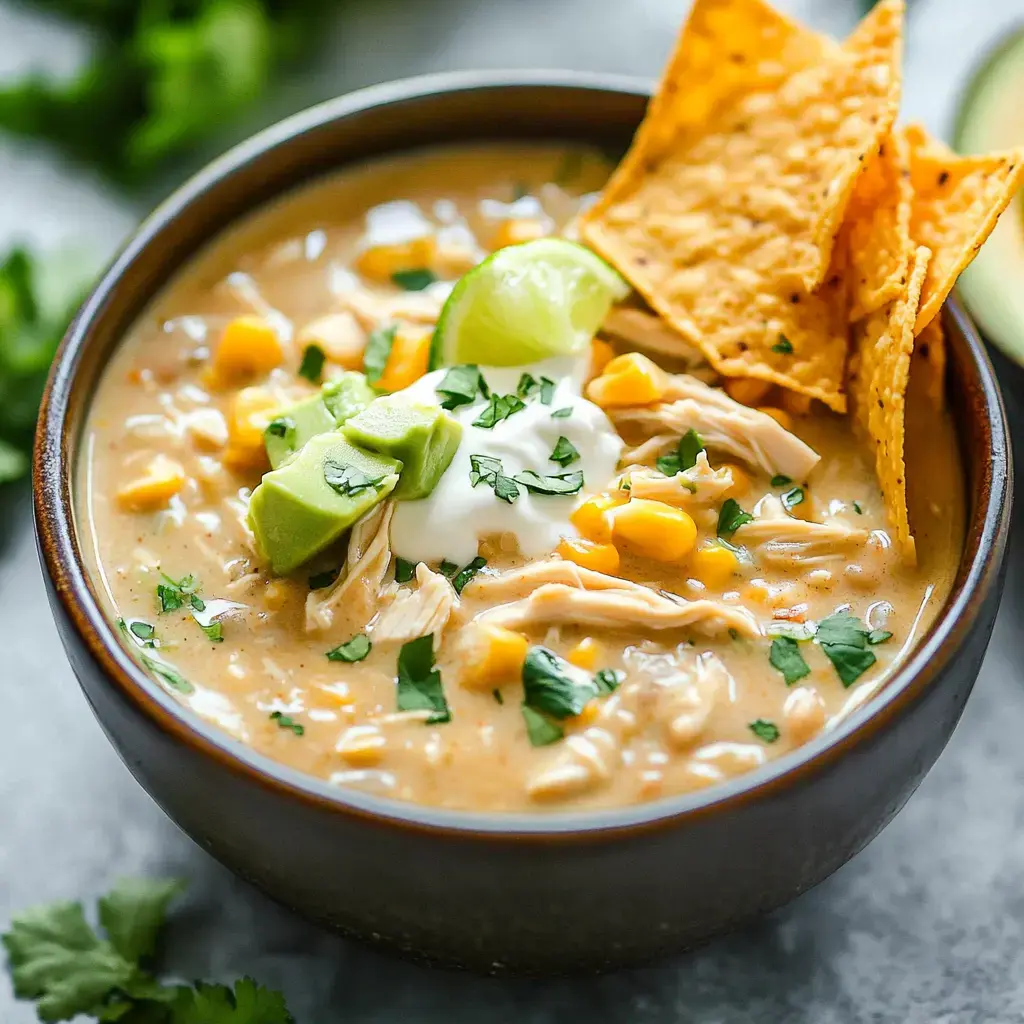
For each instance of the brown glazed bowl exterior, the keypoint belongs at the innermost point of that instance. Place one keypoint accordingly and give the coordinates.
(523, 893)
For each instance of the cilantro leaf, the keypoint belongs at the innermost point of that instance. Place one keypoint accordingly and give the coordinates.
(563, 413)
(844, 640)
(505, 488)
(608, 680)
(553, 686)
(460, 386)
(499, 407)
(133, 913)
(214, 631)
(414, 280)
(785, 656)
(347, 480)
(562, 483)
(684, 457)
(527, 385)
(467, 573)
(287, 722)
(780, 480)
(312, 365)
(879, 636)
(404, 570)
(764, 730)
(794, 496)
(547, 390)
(352, 650)
(377, 352)
(419, 682)
(322, 580)
(540, 730)
(246, 1003)
(564, 453)
(783, 346)
(731, 517)
(485, 469)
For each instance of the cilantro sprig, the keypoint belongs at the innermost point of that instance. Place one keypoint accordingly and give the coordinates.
(691, 444)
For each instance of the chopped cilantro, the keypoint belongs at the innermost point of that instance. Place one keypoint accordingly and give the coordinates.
(783, 346)
(312, 365)
(684, 457)
(414, 280)
(796, 630)
(608, 679)
(540, 730)
(460, 386)
(781, 481)
(499, 407)
(857, 508)
(731, 517)
(144, 631)
(879, 636)
(467, 573)
(214, 631)
(485, 469)
(793, 497)
(496, 694)
(286, 722)
(785, 656)
(173, 594)
(167, 674)
(527, 385)
(447, 569)
(404, 570)
(505, 488)
(562, 483)
(419, 682)
(766, 731)
(351, 650)
(553, 686)
(844, 640)
(348, 480)
(377, 352)
(563, 413)
(547, 390)
(322, 580)
(282, 426)
(564, 453)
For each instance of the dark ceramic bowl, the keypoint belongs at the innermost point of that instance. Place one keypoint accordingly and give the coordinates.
(525, 893)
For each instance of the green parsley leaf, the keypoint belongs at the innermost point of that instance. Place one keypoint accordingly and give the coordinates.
(467, 573)
(169, 598)
(485, 469)
(785, 656)
(795, 630)
(731, 517)
(783, 346)
(419, 682)
(377, 352)
(684, 457)
(563, 413)
(505, 488)
(562, 483)
(564, 452)
(404, 570)
(414, 280)
(173, 594)
(247, 1003)
(766, 731)
(781, 481)
(793, 497)
(879, 636)
(312, 365)
(322, 580)
(348, 480)
(553, 686)
(133, 913)
(547, 390)
(448, 569)
(540, 730)
(844, 640)
(351, 650)
(286, 722)
(841, 628)
(499, 407)
(608, 679)
(496, 694)
(460, 386)
(527, 385)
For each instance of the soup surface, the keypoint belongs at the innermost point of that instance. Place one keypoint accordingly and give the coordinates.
(659, 649)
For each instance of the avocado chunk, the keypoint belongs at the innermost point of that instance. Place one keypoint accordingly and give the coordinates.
(338, 400)
(423, 437)
(301, 508)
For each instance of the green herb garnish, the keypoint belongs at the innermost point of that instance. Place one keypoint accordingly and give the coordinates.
(527, 385)
(766, 731)
(404, 570)
(563, 413)
(214, 631)
(496, 694)
(286, 722)
(377, 352)
(460, 386)
(553, 686)
(731, 518)
(879, 636)
(499, 407)
(684, 457)
(485, 469)
(143, 631)
(785, 656)
(419, 682)
(844, 640)
(312, 365)
(564, 453)
(540, 730)
(351, 650)
(322, 580)
(414, 280)
(347, 480)
(547, 390)
(165, 673)
(783, 346)
(608, 679)
(562, 483)
(283, 426)
(173, 594)
(857, 508)
(793, 497)
(781, 481)
(448, 569)
(467, 573)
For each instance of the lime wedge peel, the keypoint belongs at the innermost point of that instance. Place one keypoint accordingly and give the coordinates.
(526, 303)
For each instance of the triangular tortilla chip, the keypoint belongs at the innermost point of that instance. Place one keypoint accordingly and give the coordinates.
(725, 228)
(930, 361)
(877, 229)
(879, 374)
(957, 201)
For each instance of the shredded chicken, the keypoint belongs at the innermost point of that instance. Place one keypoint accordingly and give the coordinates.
(581, 762)
(636, 607)
(689, 697)
(646, 331)
(509, 585)
(698, 485)
(362, 576)
(785, 540)
(372, 309)
(726, 425)
(416, 612)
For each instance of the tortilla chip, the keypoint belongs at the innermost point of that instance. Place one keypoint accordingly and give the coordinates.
(930, 361)
(957, 201)
(880, 372)
(877, 229)
(725, 228)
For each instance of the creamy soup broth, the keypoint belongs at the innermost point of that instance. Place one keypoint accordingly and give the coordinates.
(682, 716)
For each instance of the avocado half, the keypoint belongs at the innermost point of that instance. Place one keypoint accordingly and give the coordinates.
(991, 117)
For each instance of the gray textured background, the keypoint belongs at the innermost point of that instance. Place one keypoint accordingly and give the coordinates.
(925, 927)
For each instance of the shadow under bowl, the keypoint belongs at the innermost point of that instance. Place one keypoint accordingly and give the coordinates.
(523, 893)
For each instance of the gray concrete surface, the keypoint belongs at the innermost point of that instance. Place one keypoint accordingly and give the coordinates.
(925, 927)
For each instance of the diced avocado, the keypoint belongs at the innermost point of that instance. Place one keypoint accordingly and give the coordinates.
(423, 437)
(991, 118)
(301, 508)
(338, 400)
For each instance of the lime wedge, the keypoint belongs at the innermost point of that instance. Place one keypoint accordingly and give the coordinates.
(526, 303)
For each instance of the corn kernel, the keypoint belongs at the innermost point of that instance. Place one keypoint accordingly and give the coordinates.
(585, 654)
(714, 565)
(362, 746)
(779, 415)
(381, 261)
(589, 713)
(654, 530)
(599, 557)
(517, 230)
(740, 481)
(756, 591)
(248, 347)
(251, 410)
(340, 337)
(601, 354)
(162, 480)
(796, 404)
(629, 379)
(592, 517)
(407, 362)
(747, 390)
(490, 655)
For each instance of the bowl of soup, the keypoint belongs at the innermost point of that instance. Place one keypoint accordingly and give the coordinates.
(524, 663)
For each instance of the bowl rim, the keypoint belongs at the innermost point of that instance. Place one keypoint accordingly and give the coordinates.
(54, 466)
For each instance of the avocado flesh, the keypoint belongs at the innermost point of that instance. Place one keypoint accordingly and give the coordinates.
(338, 400)
(424, 438)
(991, 118)
(295, 513)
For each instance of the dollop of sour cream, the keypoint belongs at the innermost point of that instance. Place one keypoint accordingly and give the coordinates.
(451, 522)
